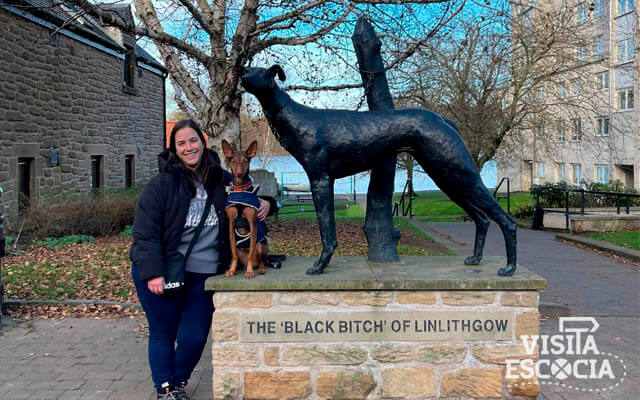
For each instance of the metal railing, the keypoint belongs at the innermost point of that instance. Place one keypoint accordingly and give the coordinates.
(537, 190)
(504, 196)
(400, 205)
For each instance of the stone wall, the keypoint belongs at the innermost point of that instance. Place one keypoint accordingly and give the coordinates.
(69, 97)
(369, 369)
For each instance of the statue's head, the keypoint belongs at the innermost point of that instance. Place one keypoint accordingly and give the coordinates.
(261, 80)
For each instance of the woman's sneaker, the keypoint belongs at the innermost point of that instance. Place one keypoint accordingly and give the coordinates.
(167, 394)
(180, 393)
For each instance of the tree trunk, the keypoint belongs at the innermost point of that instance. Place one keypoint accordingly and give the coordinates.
(382, 237)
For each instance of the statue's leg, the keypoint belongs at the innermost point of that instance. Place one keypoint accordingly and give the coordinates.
(382, 237)
(322, 190)
(482, 226)
(483, 200)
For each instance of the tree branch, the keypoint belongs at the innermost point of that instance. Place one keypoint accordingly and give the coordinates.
(324, 88)
(157, 34)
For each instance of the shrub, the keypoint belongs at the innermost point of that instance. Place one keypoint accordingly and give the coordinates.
(553, 195)
(59, 242)
(524, 210)
(91, 214)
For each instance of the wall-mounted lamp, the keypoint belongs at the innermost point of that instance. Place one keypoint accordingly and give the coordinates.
(53, 157)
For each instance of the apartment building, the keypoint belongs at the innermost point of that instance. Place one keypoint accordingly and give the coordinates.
(597, 139)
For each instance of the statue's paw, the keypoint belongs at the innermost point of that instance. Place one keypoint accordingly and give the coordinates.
(472, 260)
(315, 270)
(507, 270)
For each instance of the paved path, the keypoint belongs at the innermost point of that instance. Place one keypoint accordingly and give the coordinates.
(586, 283)
(84, 359)
(106, 359)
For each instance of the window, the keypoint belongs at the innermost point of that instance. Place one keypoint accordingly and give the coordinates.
(562, 172)
(625, 51)
(577, 174)
(129, 176)
(624, 6)
(562, 132)
(527, 18)
(625, 99)
(129, 67)
(602, 80)
(576, 133)
(602, 172)
(598, 47)
(577, 87)
(598, 10)
(603, 126)
(25, 183)
(541, 93)
(540, 169)
(582, 13)
(96, 172)
(562, 90)
(581, 52)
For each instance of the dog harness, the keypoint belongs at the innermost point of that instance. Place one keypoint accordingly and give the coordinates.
(247, 196)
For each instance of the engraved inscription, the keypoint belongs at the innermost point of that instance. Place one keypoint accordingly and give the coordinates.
(377, 325)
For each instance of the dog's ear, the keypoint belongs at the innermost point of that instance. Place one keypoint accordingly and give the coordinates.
(276, 69)
(252, 150)
(227, 150)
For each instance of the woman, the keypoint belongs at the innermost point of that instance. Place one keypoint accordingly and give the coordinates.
(168, 213)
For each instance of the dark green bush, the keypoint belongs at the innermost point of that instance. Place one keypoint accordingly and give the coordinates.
(59, 242)
(552, 195)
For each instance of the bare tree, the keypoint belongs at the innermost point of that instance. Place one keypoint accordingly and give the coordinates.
(505, 71)
(205, 44)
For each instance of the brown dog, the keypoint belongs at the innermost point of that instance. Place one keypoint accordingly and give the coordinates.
(241, 209)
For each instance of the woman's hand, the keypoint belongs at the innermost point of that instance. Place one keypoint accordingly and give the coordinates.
(264, 209)
(156, 285)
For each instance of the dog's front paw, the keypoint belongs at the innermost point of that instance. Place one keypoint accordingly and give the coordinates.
(230, 272)
(472, 260)
(249, 274)
(507, 270)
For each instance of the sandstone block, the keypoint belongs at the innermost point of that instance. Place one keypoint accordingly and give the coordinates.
(416, 298)
(271, 356)
(277, 385)
(309, 298)
(236, 355)
(375, 299)
(527, 324)
(389, 353)
(442, 354)
(317, 355)
(467, 298)
(472, 382)
(498, 353)
(346, 384)
(521, 386)
(224, 327)
(226, 385)
(242, 300)
(519, 299)
(408, 382)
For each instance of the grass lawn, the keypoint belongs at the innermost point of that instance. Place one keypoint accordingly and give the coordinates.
(435, 206)
(307, 210)
(630, 239)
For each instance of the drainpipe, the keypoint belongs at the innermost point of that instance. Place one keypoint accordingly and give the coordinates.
(164, 109)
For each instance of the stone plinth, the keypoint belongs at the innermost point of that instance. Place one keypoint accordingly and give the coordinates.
(426, 327)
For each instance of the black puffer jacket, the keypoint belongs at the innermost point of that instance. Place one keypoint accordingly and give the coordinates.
(162, 212)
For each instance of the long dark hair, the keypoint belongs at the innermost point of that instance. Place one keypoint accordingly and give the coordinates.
(209, 169)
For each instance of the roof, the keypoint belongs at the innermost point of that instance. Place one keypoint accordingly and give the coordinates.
(72, 18)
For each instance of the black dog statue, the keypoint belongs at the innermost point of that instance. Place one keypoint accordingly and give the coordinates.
(331, 144)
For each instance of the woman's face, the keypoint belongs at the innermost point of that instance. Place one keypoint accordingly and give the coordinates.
(189, 147)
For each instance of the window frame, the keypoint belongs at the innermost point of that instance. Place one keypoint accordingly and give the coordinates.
(625, 51)
(627, 7)
(628, 94)
(576, 130)
(576, 178)
(598, 9)
(603, 123)
(562, 172)
(600, 81)
(582, 13)
(598, 47)
(608, 173)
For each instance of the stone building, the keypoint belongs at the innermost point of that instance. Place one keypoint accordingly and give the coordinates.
(82, 106)
(602, 142)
